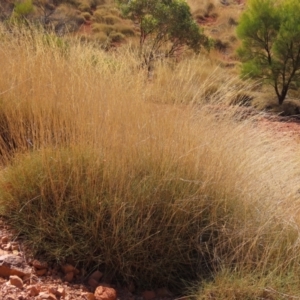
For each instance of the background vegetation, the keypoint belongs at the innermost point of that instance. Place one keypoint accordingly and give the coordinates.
(270, 49)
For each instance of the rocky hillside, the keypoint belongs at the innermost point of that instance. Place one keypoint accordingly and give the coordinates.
(101, 21)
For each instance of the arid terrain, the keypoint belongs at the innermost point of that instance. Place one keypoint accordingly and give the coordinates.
(168, 181)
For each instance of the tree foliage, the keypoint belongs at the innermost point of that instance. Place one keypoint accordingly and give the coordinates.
(270, 50)
(164, 24)
(23, 8)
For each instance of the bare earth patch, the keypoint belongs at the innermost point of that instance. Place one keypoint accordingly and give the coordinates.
(282, 126)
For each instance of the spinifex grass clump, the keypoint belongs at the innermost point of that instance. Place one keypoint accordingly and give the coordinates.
(145, 225)
(155, 211)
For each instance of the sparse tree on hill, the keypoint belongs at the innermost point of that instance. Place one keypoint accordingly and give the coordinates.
(270, 34)
(165, 26)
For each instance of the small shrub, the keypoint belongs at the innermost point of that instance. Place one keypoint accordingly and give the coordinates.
(241, 99)
(288, 108)
(199, 14)
(214, 15)
(95, 3)
(125, 29)
(79, 19)
(209, 9)
(232, 39)
(107, 29)
(65, 10)
(87, 16)
(84, 7)
(70, 2)
(207, 12)
(111, 20)
(98, 15)
(23, 8)
(116, 36)
(131, 229)
(114, 11)
(264, 102)
(232, 22)
(100, 37)
(220, 45)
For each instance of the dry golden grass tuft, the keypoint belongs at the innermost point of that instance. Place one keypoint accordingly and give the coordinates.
(234, 285)
(150, 179)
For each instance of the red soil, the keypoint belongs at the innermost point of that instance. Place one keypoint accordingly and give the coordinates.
(282, 126)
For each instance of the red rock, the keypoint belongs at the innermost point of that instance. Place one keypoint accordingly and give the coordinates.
(39, 265)
(163, 293)
(7, 247)
(46, 296)
(93, 283)
(16, 281)
(76, 271)
(52, 290)
(60, 292)
(131, 287)
(67, 268)
(14, 246)
(40, 272)
(3, 252)
(26, 278)
(33, 290)
(57, 291)
(97, 275)
(4, 239)
(13, 265)
(69, 277)
(84, 288)
(2, 280)
(105, 293)
(88, 296)
(148, 295)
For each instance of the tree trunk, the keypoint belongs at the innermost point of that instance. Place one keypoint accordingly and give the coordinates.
(282, 95)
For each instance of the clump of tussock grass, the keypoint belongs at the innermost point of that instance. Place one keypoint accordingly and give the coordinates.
(236, 285)
(107, 29)
(205, 9)
(152, 200)
(195, 80)
(125, 29)
(142, 184)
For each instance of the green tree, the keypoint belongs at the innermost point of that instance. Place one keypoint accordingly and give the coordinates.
(270, 50)
(22, 9)
(164, 25)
